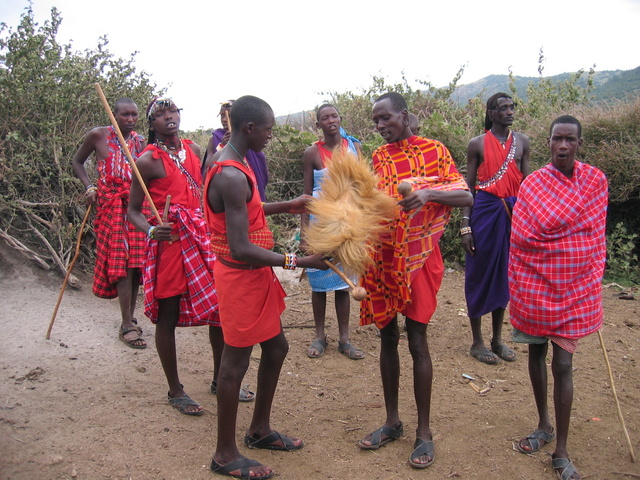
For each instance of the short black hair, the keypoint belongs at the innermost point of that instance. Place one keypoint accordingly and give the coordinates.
(566, 119)
(249, 109)
(492, 104)
(322, 107)
(397, 101)
(123, 101)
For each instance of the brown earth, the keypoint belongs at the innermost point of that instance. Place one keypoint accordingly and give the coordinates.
(82, 405)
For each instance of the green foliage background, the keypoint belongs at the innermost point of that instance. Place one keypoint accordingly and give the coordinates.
(48, 103)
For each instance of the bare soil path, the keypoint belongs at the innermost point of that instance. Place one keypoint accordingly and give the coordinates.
(84, 406)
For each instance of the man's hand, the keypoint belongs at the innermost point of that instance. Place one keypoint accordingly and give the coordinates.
(92, 197)
(415, 199)
(468, 243)
(162, 233)
(313, 261)
(299, 205)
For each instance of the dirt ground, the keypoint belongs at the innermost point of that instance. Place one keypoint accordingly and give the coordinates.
(84, 406)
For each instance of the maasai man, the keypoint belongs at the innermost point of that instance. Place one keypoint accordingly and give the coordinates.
(498, 160)
(407, 266)
(178, 270)
(219, 138)
(556, 264)
(242, 242)
(119, 246)
(314, 164)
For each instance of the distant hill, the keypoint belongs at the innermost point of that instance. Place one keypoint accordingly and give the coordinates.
(608, 85)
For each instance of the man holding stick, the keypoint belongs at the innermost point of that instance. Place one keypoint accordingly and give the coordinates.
(407, 265)
(556, 264)
(242, 241)
(178, 273)
(119, 246)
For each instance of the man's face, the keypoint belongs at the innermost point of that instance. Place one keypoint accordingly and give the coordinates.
(393, 126)
(225, 109)
(504, 112)
(564, 143)
(260, 133)
(329, 121)
(166, 121)
(126, 117)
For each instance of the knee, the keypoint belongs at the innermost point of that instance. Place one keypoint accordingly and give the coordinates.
(389, 337)
(562, 368)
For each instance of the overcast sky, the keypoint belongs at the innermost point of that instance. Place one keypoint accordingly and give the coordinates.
(288, 52)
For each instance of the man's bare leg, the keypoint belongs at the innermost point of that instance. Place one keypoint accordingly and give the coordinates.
(538, 376)
(319, 306)
(478, 350)
(168, 314)
(127, 295)
(422, 380)
(343, 312)
(390, 374)
(497, 346)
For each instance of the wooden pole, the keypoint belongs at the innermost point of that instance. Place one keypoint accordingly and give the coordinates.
(615, 397)
(66, 277)
(125, 148)
(358, 293)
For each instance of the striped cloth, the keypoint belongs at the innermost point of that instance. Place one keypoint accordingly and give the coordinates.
(411, 237)
(558, 250)
(199, 301)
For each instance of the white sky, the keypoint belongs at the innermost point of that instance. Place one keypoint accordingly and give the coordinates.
(287, 52)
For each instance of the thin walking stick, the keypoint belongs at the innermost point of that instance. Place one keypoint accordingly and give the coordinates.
(125, 148)
(66, 277)
(615, 397)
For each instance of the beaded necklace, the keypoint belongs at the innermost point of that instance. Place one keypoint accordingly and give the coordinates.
(244, 162)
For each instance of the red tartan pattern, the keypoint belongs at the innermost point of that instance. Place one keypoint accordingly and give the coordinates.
(412, 236)
(119, 245)
(199, 305)
(558, 251)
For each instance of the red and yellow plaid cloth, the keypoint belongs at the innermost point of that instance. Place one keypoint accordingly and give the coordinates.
(558, 251)
(411, 236)
(199, 302)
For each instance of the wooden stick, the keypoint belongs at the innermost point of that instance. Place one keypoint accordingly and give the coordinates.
(125, 148)
(615, 397)
(226, 115)
(66, 277)
(165, 214)
(358, 293)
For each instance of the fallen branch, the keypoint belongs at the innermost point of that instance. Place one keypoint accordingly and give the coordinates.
(24, 250)
(73, 280)
(37, 204)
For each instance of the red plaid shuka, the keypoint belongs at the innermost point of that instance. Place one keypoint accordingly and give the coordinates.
(119, 245)
(558, 250)
(412, 236)
(199, 303)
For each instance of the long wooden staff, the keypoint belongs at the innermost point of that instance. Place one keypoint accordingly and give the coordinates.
(125, 147)
(66, 277)
(358, 293)
(615, 397)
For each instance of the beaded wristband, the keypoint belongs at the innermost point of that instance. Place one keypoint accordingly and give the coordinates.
(151, 232)
(90, 188)
(290, 261)
(465, 231)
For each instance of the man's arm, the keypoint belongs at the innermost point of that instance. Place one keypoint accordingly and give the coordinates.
(89, 146)
(524, 163)
(308, 166)
(231, 189)
(474, 158)
(149, 170)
